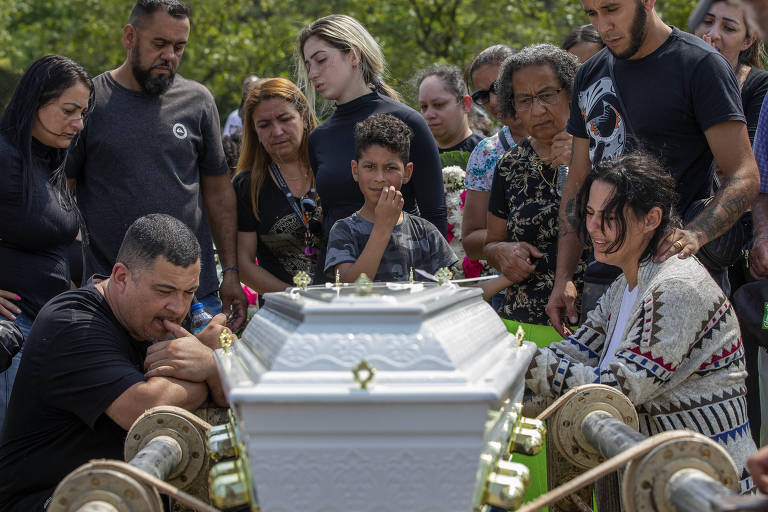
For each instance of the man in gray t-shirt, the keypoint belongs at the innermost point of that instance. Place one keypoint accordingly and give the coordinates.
(152, 145)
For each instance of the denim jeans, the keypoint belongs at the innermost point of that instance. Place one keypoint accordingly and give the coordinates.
(211, 303)
(8, 376)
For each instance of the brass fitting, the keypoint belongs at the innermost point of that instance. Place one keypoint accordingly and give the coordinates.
(503, 491)
(514, 470)
(528, 437)
(221, 442)
(229, 485)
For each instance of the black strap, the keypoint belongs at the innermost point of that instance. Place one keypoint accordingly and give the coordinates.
(504, 141)
(309, 249)
(292, 200)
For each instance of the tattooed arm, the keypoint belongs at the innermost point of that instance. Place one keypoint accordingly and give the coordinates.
(561, 307)
(730, 146)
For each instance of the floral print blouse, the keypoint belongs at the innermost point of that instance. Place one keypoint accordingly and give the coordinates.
(523, 193)
(483, 160)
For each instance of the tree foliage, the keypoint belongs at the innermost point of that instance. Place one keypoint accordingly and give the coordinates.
(232, 39)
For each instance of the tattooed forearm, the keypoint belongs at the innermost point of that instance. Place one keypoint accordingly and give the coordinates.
(568, 224)
(725, 209)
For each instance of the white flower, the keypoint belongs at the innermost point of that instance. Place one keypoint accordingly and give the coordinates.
(453, 178)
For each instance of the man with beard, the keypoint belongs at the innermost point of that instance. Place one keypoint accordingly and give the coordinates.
(152, 145)
(90, 366)
(656, 88)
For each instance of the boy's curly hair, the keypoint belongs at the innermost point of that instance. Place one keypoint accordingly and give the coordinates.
(384, 130)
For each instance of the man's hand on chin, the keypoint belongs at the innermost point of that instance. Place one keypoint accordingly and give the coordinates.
(183, 357)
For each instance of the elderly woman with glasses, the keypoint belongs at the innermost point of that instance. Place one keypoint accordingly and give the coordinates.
(521, 242)
(278, 220)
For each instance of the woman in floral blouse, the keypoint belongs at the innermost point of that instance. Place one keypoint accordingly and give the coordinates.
(535, 85)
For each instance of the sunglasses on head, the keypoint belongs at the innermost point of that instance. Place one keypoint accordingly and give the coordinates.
(483, 96)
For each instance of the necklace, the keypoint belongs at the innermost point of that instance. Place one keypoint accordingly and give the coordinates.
(296, 179)
(551, 184)
(540, 168)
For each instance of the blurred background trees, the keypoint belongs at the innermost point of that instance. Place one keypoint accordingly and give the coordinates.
(235, 38)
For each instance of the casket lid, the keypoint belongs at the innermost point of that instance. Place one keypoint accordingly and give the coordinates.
(422, 340)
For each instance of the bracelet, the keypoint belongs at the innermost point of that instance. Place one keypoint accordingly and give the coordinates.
(233, 267)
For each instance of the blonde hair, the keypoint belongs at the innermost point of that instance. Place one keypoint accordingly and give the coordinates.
(254, 158)
(346, 34)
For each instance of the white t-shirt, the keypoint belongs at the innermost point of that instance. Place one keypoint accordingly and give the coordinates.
(627, 303)
(233, 125)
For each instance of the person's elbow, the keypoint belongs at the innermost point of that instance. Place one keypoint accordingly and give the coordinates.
(752, 188)
(746, 177)
(154, 392)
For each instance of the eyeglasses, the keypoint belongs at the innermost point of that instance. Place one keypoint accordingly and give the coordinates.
(525, 103)
(483, 96)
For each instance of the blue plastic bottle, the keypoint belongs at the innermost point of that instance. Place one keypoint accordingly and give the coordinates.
(200, 317)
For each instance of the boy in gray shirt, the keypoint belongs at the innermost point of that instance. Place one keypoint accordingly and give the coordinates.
(381, 239)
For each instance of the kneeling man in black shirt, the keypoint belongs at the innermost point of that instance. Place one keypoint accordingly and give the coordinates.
(94, 362)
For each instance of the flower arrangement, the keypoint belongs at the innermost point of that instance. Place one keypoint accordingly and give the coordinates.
(455, 195)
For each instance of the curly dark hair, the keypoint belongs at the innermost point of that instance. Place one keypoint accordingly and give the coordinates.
(383, 130)
(231, 144)
(563, 63)
(640, 183)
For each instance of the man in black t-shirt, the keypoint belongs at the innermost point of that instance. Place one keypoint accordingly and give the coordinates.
(672, 95)
(90, 367)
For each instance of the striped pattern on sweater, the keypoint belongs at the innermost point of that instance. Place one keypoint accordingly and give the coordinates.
(680, 361)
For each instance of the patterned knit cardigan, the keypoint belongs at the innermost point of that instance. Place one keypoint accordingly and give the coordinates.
(680, 361)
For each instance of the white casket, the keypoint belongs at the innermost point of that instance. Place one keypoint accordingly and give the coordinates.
(401, 399)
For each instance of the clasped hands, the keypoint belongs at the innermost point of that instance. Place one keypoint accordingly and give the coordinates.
(515, 260)
(186, 357)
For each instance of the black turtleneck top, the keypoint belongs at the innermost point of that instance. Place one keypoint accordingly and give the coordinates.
(332, 147)
(36, 228)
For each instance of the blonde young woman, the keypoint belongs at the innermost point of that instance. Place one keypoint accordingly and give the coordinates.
(340, 60)
(277, 215)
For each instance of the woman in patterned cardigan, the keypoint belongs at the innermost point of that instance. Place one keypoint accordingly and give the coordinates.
(664, 333)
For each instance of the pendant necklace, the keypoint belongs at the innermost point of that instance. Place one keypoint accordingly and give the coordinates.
(540, 168)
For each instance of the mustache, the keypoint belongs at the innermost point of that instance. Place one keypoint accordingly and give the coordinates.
(164, 63)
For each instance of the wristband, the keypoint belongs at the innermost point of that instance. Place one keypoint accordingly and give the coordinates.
(224, 270)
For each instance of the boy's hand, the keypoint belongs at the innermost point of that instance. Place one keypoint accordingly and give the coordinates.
(389, 207)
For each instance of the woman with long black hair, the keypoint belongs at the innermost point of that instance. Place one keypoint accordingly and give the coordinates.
(44, 116)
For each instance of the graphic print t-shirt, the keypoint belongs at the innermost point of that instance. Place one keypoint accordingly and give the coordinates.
(672, 96)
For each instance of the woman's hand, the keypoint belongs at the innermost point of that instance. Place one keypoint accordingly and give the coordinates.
(7, 308)
(561, 149)
(514, 259)
(561, 308)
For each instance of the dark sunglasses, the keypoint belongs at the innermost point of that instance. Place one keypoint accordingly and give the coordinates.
(483, 96)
